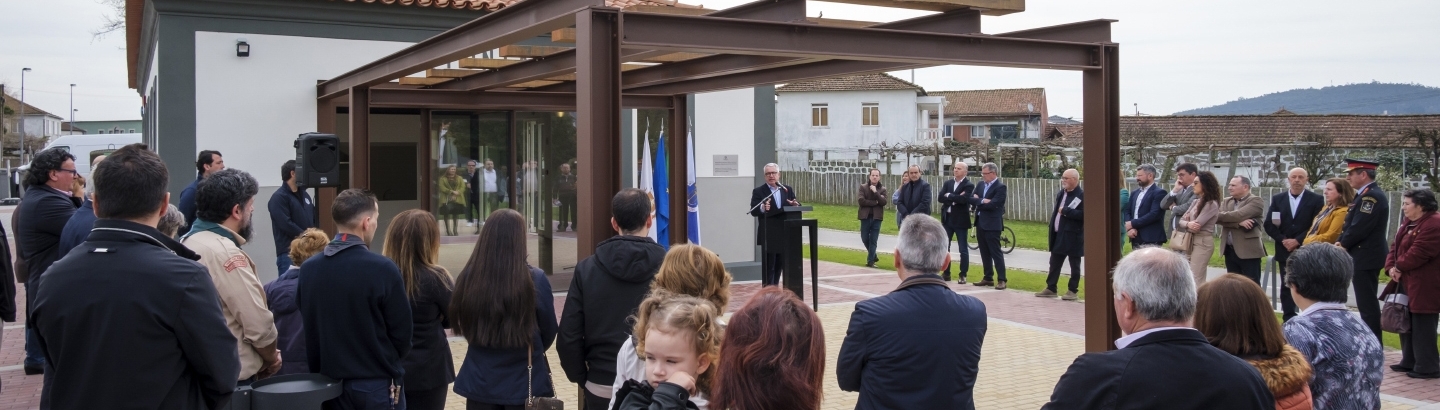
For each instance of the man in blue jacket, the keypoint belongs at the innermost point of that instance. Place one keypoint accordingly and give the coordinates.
(895, 353)
(357, 318)
(291, 212)
(1144, 219)
(208, 162)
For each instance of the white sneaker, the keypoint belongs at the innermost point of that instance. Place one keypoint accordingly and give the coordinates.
(469, 224)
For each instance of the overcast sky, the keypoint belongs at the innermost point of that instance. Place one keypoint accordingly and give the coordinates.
(1175, 55)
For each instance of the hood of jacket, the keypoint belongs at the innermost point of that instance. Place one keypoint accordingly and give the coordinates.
(632, 259)
(1285, 375)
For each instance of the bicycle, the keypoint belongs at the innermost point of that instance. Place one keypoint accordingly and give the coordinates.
(1007, 240)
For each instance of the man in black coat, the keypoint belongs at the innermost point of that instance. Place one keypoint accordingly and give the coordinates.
(606, 289)
(129, 319)
(955, 215)
(766, 202)
(49, 202)
(1287, 221)
(895, 353)
(1364, 237)
(1144, 218)
(989, 203)
(1162, 362)
(473, 185)
(1067, 235)
(914, 197)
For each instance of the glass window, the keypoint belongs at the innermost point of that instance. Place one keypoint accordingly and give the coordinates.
(819, 115)
(977, 131)
(1003, 131)
(870, 114)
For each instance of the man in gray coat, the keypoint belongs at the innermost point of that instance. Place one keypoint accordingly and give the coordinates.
(1179, 199)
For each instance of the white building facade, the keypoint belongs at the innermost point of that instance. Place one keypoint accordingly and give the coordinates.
(851, 118)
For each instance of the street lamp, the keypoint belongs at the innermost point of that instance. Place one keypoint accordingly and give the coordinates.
(22, 112)
(72, 106)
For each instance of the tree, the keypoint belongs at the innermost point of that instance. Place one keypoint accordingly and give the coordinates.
(1313, 155)
(114, 20)
(1429, 142)
(1141, 139)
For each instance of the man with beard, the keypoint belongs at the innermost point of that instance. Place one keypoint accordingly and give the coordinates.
(224, 203)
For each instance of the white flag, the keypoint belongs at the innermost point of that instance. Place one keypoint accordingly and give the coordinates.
(647, 175)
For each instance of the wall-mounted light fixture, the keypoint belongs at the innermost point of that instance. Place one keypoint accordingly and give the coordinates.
(242, 49)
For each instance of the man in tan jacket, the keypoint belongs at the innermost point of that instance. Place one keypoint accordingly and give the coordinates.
(1239, 220)
(224, 202)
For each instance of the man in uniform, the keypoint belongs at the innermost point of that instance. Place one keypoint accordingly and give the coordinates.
(1364, 238)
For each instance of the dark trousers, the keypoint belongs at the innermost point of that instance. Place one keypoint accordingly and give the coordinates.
(953, 235)
(365, 394)
(870, 236)
(1248, 267)
(34, 357)
(1366, 283)
(432, 399)
(1057, 259)
(472, 207)
(990, 256)
(567, 211)
(1287, 302)
(1417, 348)
(772, 277)
(593, 402)
(475, 405)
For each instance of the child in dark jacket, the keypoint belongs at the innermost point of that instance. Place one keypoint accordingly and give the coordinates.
(280, 297)
(679, 339)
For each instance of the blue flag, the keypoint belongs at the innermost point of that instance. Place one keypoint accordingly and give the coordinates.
(662, 195)
(692, 205)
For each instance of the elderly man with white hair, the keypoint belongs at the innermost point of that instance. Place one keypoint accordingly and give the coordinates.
(895, 353)
(767, 202)
(1067, 235)
(1162, 362)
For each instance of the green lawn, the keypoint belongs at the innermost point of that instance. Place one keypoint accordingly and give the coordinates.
(1028, 235)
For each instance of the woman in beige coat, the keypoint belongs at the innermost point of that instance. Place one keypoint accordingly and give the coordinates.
(1200, 221)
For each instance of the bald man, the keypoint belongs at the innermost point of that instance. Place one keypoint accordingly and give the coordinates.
(1067, 235)
(1287, 220)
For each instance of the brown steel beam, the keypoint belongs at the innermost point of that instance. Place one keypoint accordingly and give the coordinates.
(961, 21)
(776, 75)
(360, 137)
(598, 139)
(1093, 31)
(494, 100)
(1102, 215)
(679, 169)
(729, 36)
(427, 168)
(506, 26)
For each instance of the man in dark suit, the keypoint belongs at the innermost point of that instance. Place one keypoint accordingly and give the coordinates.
(989, 202)
(955, 215)
(914, 195)
(766, 202)
(1364, 237)
(894, 346)
(49, 202)
(1067, 235)
(472, 194)
(1162, 362)
(1287, 221)
(1144, 219)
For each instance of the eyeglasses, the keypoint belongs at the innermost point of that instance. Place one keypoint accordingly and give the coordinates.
(986, 173)
(773, 173)
(71, 171)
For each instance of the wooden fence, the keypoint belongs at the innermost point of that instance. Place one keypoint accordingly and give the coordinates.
(1029, 199)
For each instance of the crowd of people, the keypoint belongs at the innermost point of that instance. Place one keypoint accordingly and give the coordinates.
(642, 327)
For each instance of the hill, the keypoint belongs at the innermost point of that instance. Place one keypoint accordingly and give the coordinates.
(1372, 99)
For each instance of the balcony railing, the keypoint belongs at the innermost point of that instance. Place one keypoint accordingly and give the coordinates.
(929, 134)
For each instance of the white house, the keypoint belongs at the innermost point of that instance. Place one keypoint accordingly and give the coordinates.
(40, 123)
(849, 117)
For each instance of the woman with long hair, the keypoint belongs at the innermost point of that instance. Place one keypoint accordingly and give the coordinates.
(280, 297)
(773, 356)
(413, 243)
(687, 270)
(1326, 228)
(504, 309)
(1200, 221)
(452, 200)
(1235, 316)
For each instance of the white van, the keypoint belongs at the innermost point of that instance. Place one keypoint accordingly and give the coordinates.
(86, 147)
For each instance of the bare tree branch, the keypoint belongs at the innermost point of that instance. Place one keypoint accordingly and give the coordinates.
(114, 20)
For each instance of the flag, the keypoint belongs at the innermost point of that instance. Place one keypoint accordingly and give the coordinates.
(647, 172)
(692, 203)
(662, 195)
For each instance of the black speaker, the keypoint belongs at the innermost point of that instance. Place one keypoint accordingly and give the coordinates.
(317, 160)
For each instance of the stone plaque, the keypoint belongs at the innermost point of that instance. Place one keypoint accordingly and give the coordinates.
(727, 165)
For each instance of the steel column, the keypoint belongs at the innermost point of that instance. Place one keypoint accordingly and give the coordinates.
(427, 169)
(598, 141)
(679, 169)
(1102, 215)
(360, 137)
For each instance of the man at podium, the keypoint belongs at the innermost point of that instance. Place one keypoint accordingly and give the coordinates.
(766, 202)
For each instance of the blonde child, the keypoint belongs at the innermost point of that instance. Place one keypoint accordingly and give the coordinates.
(678, 338)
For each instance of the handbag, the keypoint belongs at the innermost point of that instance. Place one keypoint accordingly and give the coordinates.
(532, 402)
(1180, 238)
(1395, 314)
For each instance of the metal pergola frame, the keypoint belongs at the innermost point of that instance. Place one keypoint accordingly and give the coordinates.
(760, 43)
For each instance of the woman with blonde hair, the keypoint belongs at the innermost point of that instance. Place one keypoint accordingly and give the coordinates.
(452, 200)
(280, 297)
(413, 242)
(687, 270)
(1326, 228)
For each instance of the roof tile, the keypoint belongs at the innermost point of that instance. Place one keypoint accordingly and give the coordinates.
(1014, 101)
(861, 82)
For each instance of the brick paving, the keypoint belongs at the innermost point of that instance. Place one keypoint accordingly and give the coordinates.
(1029, 344)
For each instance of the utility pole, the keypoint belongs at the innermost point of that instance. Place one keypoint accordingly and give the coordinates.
(22, 113)
(72, 107)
